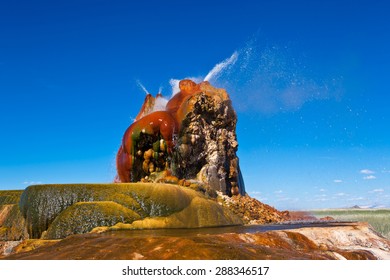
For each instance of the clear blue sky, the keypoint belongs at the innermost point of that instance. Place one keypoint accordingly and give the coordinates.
(311, 88)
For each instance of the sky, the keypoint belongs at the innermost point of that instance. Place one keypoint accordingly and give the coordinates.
(310, 86)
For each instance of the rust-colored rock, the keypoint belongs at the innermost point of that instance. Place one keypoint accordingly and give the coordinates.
(187, 89)
(252, 211)
(301, 216)
(327, 218)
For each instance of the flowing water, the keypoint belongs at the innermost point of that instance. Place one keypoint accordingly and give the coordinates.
(220, 230)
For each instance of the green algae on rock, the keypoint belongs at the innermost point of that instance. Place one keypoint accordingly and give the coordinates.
(201, 212)
(10, 197)
(53, 208)
(82, 217)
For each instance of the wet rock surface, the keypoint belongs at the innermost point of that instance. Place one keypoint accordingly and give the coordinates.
(82, 217)
(358, 241)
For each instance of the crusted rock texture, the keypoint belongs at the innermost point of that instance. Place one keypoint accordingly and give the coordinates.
(207, 145)
(252, 211)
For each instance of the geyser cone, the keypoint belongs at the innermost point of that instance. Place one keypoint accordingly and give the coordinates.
(194, 140)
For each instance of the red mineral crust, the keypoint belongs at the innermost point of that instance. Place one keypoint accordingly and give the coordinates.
(155, 124)
(147, 107)
(187, 89)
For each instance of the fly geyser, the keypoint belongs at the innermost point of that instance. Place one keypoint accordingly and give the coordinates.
(177, 169)
(192, 142)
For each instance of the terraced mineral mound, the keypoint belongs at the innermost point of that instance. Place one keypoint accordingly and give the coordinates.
(56, 211)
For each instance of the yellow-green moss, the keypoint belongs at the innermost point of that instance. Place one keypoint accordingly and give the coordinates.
(10, 197)
(67, 209)
(32, 244)
(201, 212)
(3, 231)
(41, 204)
(82, 217)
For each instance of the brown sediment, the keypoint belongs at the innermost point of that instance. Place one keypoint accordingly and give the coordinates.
(12, 223)
(301, 216)
(272, 245)
(252, 211)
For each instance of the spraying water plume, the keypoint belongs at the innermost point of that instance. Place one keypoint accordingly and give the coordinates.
(142, 87)
(218, 68)
(270, 79)
(174, 83)
(159, 103)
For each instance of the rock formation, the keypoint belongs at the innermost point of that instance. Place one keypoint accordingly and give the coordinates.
(193, 141)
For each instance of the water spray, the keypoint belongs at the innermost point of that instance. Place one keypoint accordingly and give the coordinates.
(218, 68)
(142, 87)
